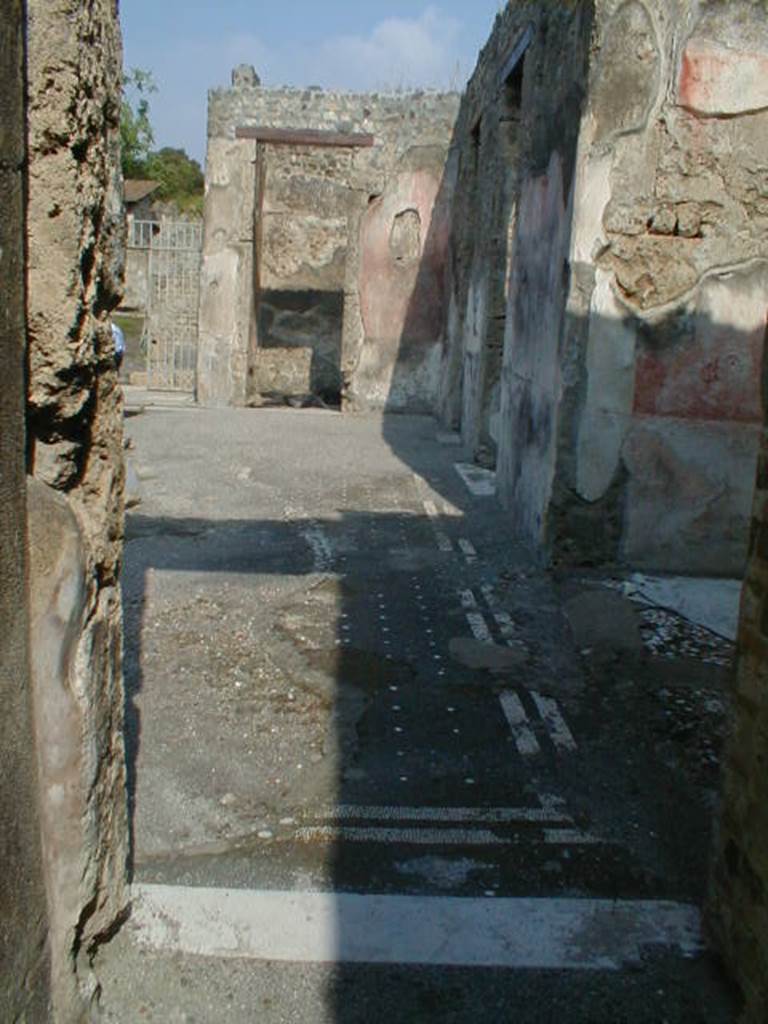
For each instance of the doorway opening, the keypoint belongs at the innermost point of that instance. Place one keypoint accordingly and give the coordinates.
(302, 215)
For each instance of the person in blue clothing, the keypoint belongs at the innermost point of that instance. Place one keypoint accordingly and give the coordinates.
(119, 339)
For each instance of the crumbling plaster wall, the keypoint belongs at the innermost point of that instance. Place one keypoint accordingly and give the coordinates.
(23, 914)
(517, 136)
(532, 371)
(629, 243)
(670, 289)
(403, 171)
(75, 506)
(487, 143)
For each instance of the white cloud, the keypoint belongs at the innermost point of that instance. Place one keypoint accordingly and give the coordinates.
(184, 73)
(396, 53)
(427, 51)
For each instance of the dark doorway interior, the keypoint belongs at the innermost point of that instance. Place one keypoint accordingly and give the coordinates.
(307, 319)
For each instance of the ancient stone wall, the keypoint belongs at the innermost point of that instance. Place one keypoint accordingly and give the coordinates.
(635, 323)
(517, 135)
(74, 424)
(615, 157)
(670, 289)
(296, 235)
(739, 904)
(305, 205)
(23, 915)
(487, 142)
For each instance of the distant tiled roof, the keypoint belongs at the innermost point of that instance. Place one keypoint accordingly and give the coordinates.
(137, 189)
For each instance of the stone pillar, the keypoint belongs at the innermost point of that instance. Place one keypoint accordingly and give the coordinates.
(75, 246)
(739, 901)
(23, 925)
(227, 274)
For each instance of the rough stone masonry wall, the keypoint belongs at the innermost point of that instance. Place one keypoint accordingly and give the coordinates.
(393, 271)
(74, 423)
(669, 261)
(302, 258)
(23, 915)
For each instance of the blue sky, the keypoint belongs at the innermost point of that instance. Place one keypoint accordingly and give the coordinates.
(192, 46)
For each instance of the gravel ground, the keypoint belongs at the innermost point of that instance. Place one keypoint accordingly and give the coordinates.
(310, 602)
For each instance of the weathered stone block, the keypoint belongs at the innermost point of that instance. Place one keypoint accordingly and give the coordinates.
(282, 371)
(664, 221)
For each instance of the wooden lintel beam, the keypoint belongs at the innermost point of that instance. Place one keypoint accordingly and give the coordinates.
(305, 137)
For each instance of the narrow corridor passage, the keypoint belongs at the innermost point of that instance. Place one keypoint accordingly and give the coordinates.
(361, 732)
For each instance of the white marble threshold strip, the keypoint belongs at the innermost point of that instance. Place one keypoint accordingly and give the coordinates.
(525, 741)
(550, 811)
(328, 927)
(423, 836)
(558, 730)
(478, 481)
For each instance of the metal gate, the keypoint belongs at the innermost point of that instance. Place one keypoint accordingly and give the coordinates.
(170, 329)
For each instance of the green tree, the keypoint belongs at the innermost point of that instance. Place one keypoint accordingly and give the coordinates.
(181, 178)
(136, 135)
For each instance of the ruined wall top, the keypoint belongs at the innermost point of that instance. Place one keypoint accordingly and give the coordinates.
(247, 103)
(244, 76)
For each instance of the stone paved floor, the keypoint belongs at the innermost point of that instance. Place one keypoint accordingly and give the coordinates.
(349, 687)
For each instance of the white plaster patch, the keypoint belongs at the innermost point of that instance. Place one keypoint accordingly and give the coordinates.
(735, 298)
(715, 79)
(713, 603)
(610, 374)
(593, 192)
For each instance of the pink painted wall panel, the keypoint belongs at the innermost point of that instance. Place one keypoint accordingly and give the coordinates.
(403, 298)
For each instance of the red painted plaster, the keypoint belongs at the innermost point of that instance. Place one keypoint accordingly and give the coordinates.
(716, 377)
(715, 79)
(697, 73)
